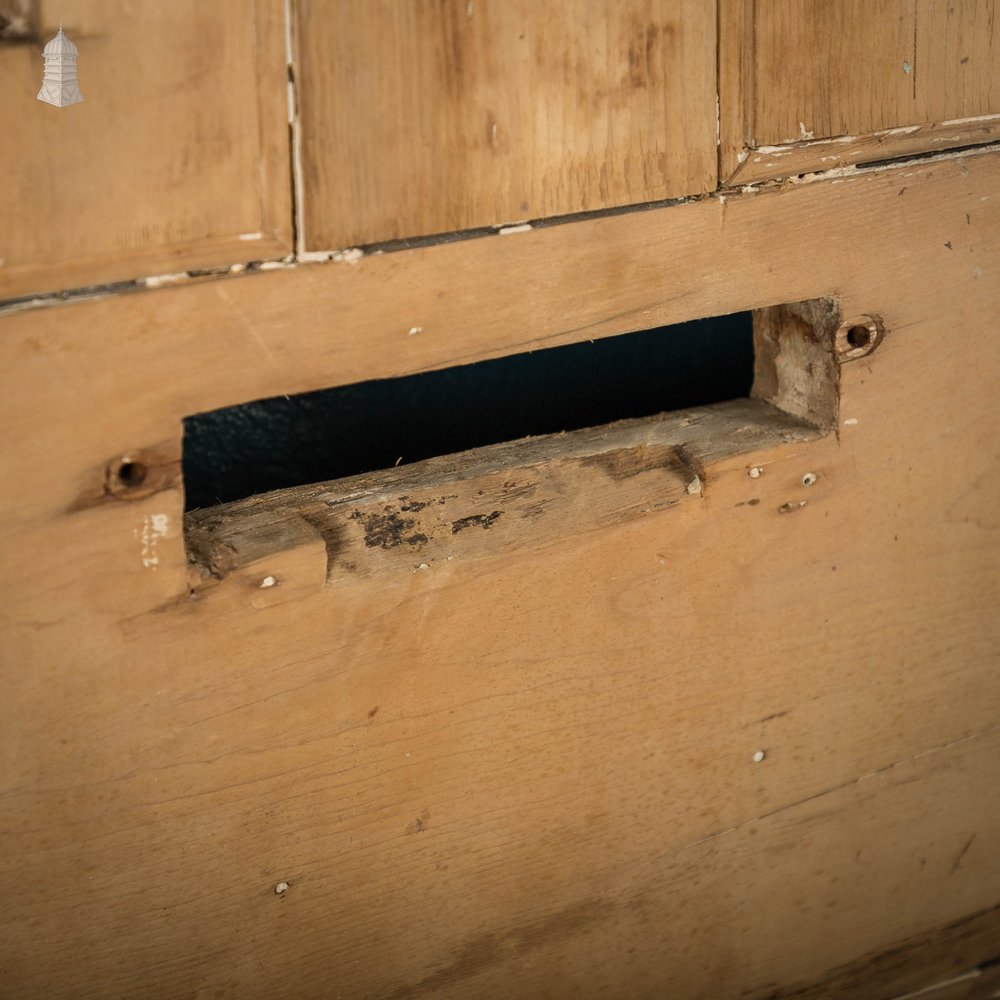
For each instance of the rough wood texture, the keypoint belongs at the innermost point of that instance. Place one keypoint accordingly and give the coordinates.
(793, 70)
(177, 158)
(507, 497)
(421, 118)
(828, 154)
(532, 773)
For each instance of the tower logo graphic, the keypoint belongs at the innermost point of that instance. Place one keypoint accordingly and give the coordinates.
(59, 85)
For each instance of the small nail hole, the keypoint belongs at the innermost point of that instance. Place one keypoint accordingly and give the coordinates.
(809, 478)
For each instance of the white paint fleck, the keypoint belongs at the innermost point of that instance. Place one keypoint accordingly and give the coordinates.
(694, 487)
(158, 280)
(273, 265)
(423, 566)
(907, 67)
(755, 472)
(852, 422)
(414, 330)
(809, 478)
(268, 581)
(524, 227)
(759, 756)
(251, 236)
(281, 888)
(350, 256)
(149, 532)
(237, 268)
(803, 134)
(493, 132)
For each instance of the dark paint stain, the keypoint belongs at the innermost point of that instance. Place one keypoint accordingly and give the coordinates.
(775, 715)
(486, 950)
(405, 503)
(388, 530)
(949, 246)
(372, 712)
(484, 520)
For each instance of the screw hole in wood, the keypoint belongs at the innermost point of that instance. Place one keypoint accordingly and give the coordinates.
(125, 476)
(858, 337)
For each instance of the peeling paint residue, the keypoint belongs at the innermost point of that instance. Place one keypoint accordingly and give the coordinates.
(483, 520)
(149, 532)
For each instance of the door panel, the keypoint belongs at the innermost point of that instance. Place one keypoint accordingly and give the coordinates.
(880, 77)
(177, 158)
(420, 118)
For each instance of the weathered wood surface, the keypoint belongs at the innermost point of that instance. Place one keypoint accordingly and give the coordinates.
(176, 159)
(424, 118)
(793, 71)
(503, 498)
(828, 154)
(536, 772)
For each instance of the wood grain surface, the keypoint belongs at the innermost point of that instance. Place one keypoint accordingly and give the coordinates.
(847, 67)
(420, 118)
(729, 749)
(882, 78)
(177, 158)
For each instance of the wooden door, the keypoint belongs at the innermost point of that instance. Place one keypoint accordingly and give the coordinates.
(703, 704)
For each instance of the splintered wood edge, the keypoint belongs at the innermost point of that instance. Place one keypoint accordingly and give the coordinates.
(815, 155)
(497, 498)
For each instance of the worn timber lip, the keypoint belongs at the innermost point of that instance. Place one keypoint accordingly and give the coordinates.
(485, 501)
